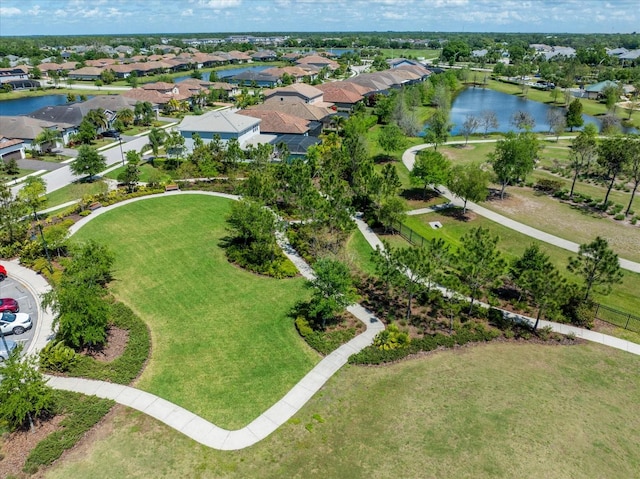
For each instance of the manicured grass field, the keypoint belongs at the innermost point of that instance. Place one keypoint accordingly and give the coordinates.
(75, 191)
(512, 244)
(491, 411)
(222, 344)
(145, 173)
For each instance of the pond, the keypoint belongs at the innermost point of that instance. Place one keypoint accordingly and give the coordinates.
(24, 106)
(225, 73)
(473, 101)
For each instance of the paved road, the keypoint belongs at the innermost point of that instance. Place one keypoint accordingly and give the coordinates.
(63, 176)
(408, 158)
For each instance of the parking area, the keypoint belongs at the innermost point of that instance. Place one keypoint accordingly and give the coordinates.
(10, 288)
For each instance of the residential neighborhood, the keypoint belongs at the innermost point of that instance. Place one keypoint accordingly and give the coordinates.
(227, 251)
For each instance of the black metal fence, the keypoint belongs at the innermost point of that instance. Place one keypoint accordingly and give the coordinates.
(408, 234)
(618, 318)
(603, 313)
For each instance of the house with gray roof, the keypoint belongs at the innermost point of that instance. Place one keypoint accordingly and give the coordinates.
(226, 124)
(27, 129)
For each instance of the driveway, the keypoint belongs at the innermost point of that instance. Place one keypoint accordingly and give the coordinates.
(37, 165)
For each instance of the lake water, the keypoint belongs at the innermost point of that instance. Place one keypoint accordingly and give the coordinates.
(473, 101)
(24, 106)
(225, 73)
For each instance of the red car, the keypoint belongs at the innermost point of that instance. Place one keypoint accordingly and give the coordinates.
(9, 305)
(3, 273)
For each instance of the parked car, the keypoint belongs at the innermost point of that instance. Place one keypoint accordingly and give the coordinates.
(9, 305)
(3, 273)
(15, 323)
(5, 352)
(111, 134)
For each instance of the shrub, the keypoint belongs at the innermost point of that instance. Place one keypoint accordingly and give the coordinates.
(82, 412)
(619, 217)
(323, 341)
(391, 338)
(125, 368)
(545, 333)
(634, 220)
(56, 356)
(548, 185)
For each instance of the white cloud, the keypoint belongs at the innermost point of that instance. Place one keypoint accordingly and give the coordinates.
(187, 13)
(35, 11)
(220, 4)
(9, 11)
(394, 15)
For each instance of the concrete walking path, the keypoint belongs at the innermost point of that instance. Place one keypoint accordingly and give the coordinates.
(199, 429)
(408, 158)
(586, 334)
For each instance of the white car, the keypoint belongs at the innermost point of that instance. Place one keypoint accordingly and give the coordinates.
(4, 353)
(15, 323)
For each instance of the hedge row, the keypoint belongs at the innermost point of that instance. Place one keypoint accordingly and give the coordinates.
(466, 334)
(81, 414)
(125, 368)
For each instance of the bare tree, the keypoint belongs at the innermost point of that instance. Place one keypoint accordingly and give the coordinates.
(488, 120)
(557, 121)
(470, 125)
(523, 120)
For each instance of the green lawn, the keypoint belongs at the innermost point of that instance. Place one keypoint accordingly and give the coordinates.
(491, 411)
(222, 344)
(145, 172)
(75, 191)
(512, 244)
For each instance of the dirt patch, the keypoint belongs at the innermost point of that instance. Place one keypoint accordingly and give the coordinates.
(117, 340)
(17, 445)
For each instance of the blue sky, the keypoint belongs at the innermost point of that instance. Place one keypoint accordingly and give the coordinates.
(75, 17)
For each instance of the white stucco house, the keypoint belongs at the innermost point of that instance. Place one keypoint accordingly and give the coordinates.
(226, 124)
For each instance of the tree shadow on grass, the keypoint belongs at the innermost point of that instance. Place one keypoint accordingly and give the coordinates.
(456, 214)
(418, 194)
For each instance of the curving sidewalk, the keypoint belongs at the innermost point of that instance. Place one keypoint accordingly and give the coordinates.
(409, 158)
(586, 334)
(194, 426)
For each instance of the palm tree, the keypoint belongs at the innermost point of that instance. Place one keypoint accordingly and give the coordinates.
(46, 139)
(126, 116)
(98, 118)
(143, 112)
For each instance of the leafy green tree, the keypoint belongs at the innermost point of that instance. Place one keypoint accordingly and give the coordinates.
(613, 155)
(574, 114)
(13, 225)
(478, 261)
(390, 181)
(88, 162)
(143, 111)
(86, 132)
(333, 290)
(455, 50)
(24, 394)
(391, 138)
(131, 174)
(133, 79)
(438, 128)
(78, 299)
(469, 182)
(611, 95)
(174, 144)
(386, 266)
(598, 265)
(430, 168)
(107, 76)
(632, 167)
(584, 149)
(514, 158)
(392, 211)
(540, 279)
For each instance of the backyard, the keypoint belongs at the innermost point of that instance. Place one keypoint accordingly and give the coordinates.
(223, 344)
(497, 410)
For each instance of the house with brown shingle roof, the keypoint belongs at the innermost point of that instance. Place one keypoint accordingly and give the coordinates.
(343, 95)
(86, 73)
(11, 148)
(298, 92)
(302, 110)
(318, 62)
(296, 72)
(279, 123)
